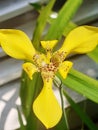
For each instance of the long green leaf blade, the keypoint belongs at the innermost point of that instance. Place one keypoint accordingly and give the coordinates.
(81, 113)
(28, 92)
(41, 22)
(64, 16)
(67, 29)
(82, 84)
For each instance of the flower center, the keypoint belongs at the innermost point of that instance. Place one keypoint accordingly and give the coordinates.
(48, 69)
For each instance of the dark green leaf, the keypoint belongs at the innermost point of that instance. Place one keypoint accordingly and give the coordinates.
(81, 113)
(28, 92)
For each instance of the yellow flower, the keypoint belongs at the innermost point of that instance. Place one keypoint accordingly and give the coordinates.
(15, 43)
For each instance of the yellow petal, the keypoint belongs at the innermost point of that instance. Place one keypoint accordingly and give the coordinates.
(48, 45)
(82, 39)
(30, 69)
(16, 44)
(46, 106)
(64, 68)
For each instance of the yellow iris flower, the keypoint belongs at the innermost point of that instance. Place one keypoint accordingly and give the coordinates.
(16, 44)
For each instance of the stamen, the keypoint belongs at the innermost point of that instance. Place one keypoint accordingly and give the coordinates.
(50, 67)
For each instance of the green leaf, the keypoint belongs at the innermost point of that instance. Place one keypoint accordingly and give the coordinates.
(63, 124)
(82, 84)
(64, 16)
(94, 54)
(81, 113)
(28, 91)
(67, 29)
(41, 22)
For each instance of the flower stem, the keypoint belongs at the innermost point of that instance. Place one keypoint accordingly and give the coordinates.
(59, 86)
(62, 103)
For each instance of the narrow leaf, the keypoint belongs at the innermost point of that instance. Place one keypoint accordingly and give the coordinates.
(64, 16)
(81, 113)
(82, 84)
(28, 91)
(67, 29)
(41, 22)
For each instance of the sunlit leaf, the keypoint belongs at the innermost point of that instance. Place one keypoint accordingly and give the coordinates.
(82, 84)
(64, 16)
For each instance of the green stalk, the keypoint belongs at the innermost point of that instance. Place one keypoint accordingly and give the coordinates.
(62, 101)
(41, 22)
(59, 86)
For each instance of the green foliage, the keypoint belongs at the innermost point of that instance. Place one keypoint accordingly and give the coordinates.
(82, 84)
(64, 16)
(28, 93)
(41, 22)
(81, 113)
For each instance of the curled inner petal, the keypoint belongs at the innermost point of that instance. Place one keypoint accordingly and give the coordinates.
(48, 45)
(30, 69)
(64, 68)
